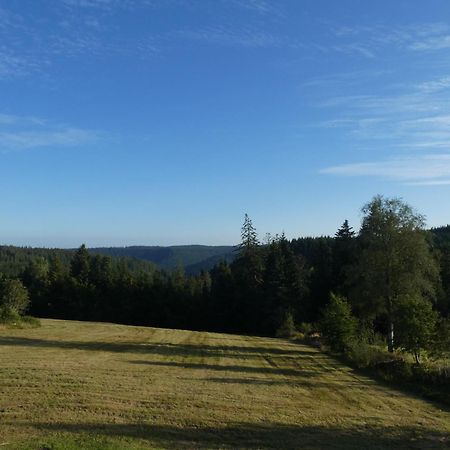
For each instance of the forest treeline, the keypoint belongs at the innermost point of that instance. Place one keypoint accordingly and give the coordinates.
(14, 260)
(390, 266)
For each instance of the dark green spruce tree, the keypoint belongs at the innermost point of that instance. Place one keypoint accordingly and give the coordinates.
(80, 264)
(344, 247)
(247, 273)
(284, 285)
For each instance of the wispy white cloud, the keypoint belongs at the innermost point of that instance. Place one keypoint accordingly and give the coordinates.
(13, 65)
(70, 46)
(434, 43)
(263, 7)
(11, 119)
(434, 85)
(104, 4)
(223, 35)
(371, 41)
(429, 169)
(9, 20)
(444, 182)
(416, 117)
(27, 132)
(82, 28)
(354, 48)
(74, 29)
(24, 140)
(346, 79)
(375, 40)
(400, 120)
(7, 119)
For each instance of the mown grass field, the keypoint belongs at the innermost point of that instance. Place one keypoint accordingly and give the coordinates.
(74, 385)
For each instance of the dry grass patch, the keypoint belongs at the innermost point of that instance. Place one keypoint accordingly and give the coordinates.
(70, 385)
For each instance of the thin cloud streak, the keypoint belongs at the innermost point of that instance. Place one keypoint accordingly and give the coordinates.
(416, 117)
(413, 37)
(10, 119)
(438, 43)
(434, 85)
(246, 37)
(429, 183)
(424, 169)
(19, 133)
(84, 27)
(25, 140)
(14, 65)
(262, 7)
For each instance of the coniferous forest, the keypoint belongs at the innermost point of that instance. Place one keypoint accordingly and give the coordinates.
(378, 296)
(389, 269)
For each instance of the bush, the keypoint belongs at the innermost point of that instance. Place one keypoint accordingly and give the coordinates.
(14, 301)
(14, 296)
(366, 333)
(306, 328)
(8, 315)
(415, 325)
(287, 326)
(31, 322)
(365, 355)
(441, 340)
(395, 370)
(338, 326)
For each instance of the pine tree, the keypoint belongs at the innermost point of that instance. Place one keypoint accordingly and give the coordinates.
(247, 273)
(284, 284)
(343, 257)
(80, 264)
(100, 271)
(249, 237)
(57, 271)
(345, 232)
(249, 257)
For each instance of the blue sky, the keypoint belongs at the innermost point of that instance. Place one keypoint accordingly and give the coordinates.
(129, 122)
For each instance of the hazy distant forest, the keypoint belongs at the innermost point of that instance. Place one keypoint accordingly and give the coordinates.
(390, 278)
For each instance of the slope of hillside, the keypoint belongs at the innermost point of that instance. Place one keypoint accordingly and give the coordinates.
(72, 385)
(14, 260)
(192, 257)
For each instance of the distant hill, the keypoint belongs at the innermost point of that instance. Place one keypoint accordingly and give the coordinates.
(193, 258)
(13, 260)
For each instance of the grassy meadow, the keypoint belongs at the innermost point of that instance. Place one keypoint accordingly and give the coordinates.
(80, 385)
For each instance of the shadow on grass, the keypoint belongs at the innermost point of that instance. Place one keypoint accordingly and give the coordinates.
(231, 368)
(434, 394)
(300, 383)
(257, 436)
(297, 357)
(158, 348)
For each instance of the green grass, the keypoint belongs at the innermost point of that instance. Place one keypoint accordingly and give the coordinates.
(73, 385)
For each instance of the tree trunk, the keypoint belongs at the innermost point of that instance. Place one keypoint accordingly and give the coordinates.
(417, 356)
(390, 325)
(391, 337)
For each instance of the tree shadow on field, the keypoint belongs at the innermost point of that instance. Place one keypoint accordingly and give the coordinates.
(230, 368)
(299, 383)
(260, 436)
(165, 349)
(300, 359)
